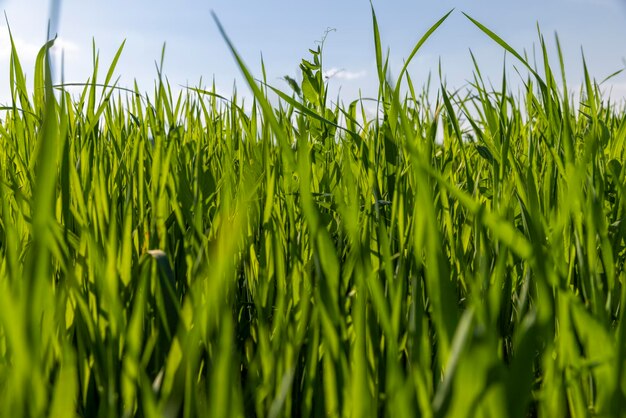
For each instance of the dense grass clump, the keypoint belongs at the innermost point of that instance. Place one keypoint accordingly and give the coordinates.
(181, 256)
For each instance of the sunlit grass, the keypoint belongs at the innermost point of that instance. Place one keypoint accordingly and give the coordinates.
(177, 255)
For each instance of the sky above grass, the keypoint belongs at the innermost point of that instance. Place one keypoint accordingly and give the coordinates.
(283, 31)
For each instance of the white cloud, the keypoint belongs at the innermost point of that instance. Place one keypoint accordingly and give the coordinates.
(344, 74)
(26, 50)
(67, 46)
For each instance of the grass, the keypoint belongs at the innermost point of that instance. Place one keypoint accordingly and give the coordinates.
(175, 255)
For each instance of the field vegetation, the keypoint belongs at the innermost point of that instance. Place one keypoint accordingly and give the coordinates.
(459, 254)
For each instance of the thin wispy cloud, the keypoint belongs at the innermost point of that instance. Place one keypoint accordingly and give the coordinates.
(342, 74)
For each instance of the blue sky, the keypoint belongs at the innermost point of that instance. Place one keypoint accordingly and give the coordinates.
(282, 31)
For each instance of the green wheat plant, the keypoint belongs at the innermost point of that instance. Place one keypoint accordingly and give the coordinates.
(457, 254)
